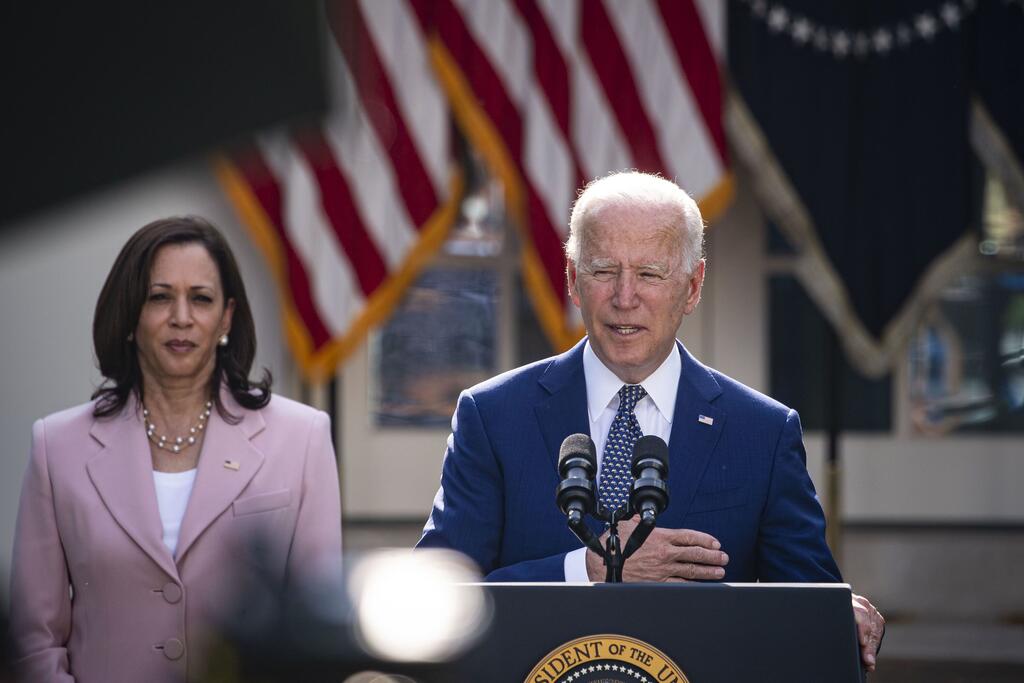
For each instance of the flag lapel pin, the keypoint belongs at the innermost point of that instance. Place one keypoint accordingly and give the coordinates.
(232, 465)
(705, 420)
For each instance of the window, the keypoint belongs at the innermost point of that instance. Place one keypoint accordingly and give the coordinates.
(465, 319)
(966, 363)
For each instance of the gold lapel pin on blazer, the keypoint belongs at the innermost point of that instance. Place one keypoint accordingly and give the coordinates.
(232, 465)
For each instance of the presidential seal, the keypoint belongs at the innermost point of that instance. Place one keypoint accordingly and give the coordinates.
(606, 658)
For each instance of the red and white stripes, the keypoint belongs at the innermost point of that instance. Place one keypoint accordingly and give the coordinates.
(550, 92)
(573, 89)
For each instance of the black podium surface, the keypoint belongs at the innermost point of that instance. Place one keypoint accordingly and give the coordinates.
(728, 633)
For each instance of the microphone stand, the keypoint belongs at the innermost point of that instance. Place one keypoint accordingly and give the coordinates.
(613, 559)
(612, 553)
(640, 533)
(577, 496)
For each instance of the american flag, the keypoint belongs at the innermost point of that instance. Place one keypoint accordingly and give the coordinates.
(550, 93)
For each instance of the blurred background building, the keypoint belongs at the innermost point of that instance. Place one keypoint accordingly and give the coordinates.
(396, 178)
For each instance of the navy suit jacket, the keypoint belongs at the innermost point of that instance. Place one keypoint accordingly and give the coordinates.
(742, 479)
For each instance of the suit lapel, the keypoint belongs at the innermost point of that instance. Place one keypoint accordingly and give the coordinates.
(123, 476)
(563, 411)
(692, 440)
(218, 485)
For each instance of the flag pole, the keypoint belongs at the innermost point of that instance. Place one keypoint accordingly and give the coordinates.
(833, 426)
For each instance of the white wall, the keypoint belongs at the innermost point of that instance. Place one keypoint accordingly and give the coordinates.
(52, 266)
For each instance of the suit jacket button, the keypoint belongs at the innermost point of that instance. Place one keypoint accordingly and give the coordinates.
(172, 592)
(173, 648)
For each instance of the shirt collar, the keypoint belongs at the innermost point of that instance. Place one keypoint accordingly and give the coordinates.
(602, 384)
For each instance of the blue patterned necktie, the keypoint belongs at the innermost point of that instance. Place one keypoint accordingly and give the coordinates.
(616, 478)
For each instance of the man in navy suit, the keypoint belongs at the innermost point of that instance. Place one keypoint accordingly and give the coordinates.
(742, 506)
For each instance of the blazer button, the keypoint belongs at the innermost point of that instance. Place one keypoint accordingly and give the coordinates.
(172, 592)
(173, 648)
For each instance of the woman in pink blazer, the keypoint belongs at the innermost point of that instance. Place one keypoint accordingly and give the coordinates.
(139, 509)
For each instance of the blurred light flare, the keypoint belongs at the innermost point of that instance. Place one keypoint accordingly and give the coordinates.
(415, 606)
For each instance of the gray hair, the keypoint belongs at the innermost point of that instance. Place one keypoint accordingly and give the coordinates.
(643, 189)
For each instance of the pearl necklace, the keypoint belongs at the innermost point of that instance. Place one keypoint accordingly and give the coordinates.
(176, 444)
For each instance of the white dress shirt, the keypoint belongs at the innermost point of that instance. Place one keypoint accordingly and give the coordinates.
(653, 412)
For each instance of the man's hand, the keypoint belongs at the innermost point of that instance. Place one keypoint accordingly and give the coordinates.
(666, 555)
(870, 627)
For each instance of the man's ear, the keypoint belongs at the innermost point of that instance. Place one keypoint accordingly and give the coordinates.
(694, 285)
(570, 275)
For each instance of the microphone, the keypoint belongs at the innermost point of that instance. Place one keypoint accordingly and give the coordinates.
(649, 465)
(577, 464)
(649, 496)
(576, 493)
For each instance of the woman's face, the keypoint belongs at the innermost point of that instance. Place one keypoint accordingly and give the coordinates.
(183, 317)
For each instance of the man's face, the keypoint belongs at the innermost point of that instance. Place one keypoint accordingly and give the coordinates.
(631, 288)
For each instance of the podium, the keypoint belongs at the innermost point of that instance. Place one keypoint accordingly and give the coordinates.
(667, 633)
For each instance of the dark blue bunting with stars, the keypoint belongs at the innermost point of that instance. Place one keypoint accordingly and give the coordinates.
(865, 109)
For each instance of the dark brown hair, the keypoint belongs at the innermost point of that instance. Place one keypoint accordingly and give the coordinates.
(120, 304)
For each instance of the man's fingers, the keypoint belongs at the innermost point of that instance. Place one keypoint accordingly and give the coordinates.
(676, 555)
(869, 643)
(698, 555)
(870, 625)
(699, 572)
(662, 561)
(867, 655)
(689, 537)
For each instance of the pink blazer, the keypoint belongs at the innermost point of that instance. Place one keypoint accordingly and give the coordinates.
(95, 594)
